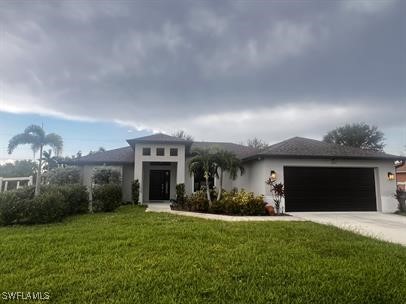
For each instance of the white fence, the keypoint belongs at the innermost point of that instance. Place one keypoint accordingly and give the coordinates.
(6, 180)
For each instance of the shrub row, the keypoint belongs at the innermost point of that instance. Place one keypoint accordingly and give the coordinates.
(231, 203)
(53, 204)
(239, 203)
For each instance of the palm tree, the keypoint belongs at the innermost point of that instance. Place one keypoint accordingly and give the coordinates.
(203, 160)
(36, 137)
(50, 162)
(227, 161)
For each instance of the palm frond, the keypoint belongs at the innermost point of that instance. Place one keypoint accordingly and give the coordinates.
(36, 146)
(20, 139)
(55, 142)
(35, 130)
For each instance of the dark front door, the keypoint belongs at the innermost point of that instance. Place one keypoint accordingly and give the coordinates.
(159, 184)
(329, 189)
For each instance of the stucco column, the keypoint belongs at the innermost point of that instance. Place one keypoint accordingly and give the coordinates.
(87, 176)
(180, 172)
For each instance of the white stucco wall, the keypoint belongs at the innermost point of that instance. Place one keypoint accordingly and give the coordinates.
(141, 161)
(128, 177)
(258, 171)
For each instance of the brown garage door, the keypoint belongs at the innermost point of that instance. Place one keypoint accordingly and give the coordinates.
(329, 189)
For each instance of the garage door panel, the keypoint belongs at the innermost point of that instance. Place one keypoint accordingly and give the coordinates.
(329, 189)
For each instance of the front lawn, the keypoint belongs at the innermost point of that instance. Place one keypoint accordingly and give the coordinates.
(135, 257)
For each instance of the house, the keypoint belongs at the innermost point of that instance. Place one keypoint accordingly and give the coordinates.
(401, 176)
(318, 176)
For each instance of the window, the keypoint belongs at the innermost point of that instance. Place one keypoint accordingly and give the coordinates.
(160, 151)
(173, 152)
(146, 151)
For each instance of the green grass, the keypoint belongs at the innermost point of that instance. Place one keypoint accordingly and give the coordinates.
(137, 257)
(400, 213)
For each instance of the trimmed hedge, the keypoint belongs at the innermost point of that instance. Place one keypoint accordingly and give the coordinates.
(12, 209)
(46, 208)
(107, 197)
(231, 203)
(53, 204)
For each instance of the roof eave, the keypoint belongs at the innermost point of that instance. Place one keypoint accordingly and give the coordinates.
(279, 156)
(102, 163)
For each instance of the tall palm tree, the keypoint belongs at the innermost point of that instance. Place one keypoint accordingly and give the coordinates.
(36, 137)
(203, 160)
(226, 161)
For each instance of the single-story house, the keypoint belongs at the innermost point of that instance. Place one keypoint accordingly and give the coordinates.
(317, 176)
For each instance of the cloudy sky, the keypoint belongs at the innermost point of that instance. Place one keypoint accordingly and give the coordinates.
(99, 72)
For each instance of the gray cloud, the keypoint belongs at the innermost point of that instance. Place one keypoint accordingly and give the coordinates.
(262, 68)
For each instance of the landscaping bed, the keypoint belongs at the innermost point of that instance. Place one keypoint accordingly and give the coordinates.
(231, 203)
(131, 256)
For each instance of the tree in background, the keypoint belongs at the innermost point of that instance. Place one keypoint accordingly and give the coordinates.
(359, 135)
(257, 143)
(35, 136)
(101, 149)
(182, 134)
(18, 168)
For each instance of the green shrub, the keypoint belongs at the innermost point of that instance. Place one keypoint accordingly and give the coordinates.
(197, 202)
(12, 209)
(76, 198)
(25, 193)
(48, 207)
(135, 190)
(106, 176)
(107, 197)
(54, 203)
(63, 176)
(239, 203)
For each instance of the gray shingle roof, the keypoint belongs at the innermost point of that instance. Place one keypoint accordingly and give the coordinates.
(310, 148)
(123, 155)
(240, 151)
(157, 138)
(296, 147)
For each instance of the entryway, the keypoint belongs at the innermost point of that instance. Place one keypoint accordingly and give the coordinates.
(159, 185)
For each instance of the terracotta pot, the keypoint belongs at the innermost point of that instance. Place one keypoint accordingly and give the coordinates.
(270, 210)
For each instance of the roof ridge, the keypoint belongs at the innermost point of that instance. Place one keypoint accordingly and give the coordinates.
(312, 147)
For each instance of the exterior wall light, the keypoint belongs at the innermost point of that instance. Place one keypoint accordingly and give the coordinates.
(391, 176)
(273, 175)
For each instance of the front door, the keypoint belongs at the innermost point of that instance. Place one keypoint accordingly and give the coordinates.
(159, 184)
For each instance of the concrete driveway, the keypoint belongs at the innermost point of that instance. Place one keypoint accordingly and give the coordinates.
(387, 227)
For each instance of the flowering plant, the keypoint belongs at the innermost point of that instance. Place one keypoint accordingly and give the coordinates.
(277, 191)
